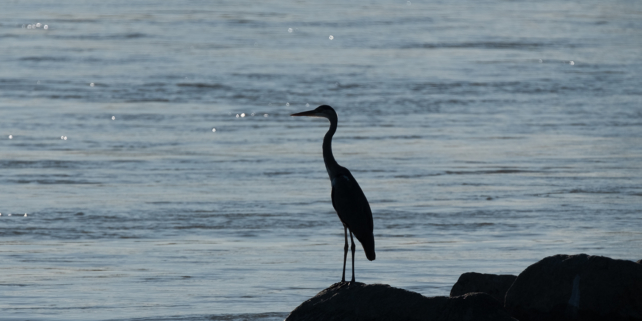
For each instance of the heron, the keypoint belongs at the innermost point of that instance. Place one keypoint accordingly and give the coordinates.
(348, 199)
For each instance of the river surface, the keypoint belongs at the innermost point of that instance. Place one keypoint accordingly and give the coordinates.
(150, 145)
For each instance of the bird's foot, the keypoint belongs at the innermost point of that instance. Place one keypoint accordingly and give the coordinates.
(339, 285)
(343, 282)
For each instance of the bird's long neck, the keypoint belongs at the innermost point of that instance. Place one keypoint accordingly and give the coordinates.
(330, 164)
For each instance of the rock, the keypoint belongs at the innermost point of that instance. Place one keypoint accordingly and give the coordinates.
(492, 284)
(639, 262)
(577, 287)
(471, 307)
(359, 301)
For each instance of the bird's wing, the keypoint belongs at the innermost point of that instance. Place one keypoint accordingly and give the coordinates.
(353, 210)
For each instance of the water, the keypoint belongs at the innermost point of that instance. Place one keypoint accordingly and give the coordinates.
(486, 136)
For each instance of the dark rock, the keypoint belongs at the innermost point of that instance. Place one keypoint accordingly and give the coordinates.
(639, 262)
(359, 301)
(492, 284)
(577, 287)
(471, 306)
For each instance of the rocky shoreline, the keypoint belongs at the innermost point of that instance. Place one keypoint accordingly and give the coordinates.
(559, 287)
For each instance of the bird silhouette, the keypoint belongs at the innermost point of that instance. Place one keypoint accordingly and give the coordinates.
(347, 197)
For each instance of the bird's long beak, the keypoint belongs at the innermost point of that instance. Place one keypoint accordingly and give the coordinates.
(310, 113)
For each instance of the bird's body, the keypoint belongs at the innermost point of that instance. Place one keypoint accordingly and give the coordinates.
(353, 210)
(348, 199)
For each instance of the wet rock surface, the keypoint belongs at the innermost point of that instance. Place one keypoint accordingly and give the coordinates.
(560, 287)
(492, 284)
(577, 287)
(358, 301)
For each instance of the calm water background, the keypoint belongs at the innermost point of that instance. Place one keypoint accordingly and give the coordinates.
(486, 135)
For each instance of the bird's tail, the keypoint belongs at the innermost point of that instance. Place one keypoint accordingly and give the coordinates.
(369, 247)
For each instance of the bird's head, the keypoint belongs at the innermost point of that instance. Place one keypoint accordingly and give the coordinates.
(324, 111)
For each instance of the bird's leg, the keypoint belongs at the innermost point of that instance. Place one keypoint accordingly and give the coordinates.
(351, 240)
(345, 254)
